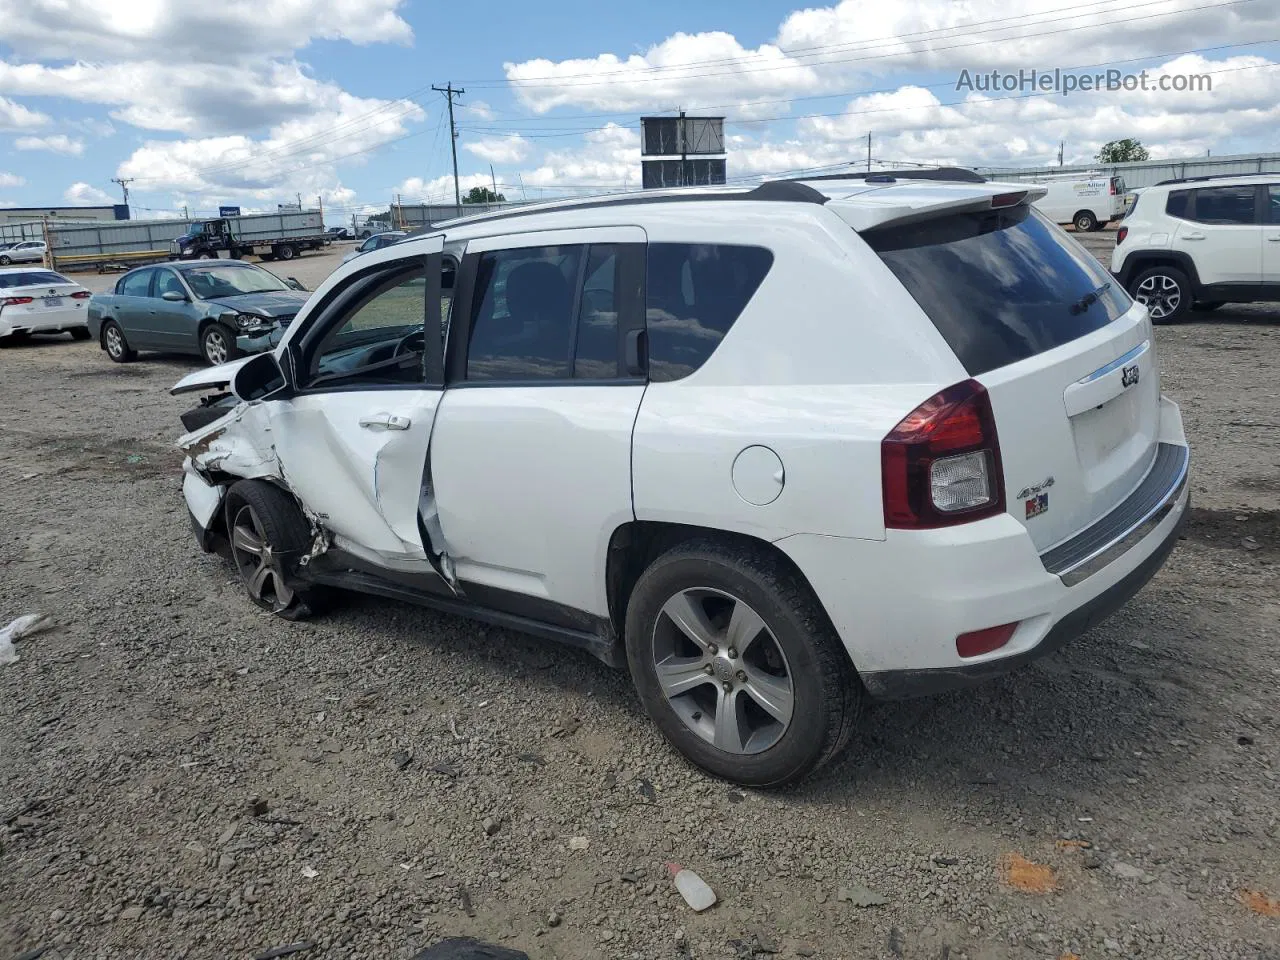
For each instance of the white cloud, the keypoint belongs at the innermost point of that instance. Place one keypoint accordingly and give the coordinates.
(226, 31)
(15, 117)
(440, 189)
(610, 157)
(57, 143)
(11, 180)
(83, 193)
(478, 109)
(509, 149)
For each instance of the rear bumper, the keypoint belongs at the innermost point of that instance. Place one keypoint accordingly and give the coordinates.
(900, 603)
(43, 322)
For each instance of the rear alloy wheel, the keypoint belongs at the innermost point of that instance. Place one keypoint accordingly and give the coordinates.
(285, 252)
(268, 536)
(1165, 291)
(80, 333)
(738, 665)
(218, 344)
(4, 261)
(1085, 221)
(115, 344)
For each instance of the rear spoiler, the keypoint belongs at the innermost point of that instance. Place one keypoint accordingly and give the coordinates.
(896, 207)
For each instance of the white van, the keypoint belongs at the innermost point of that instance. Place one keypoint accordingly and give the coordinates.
(1089, 202)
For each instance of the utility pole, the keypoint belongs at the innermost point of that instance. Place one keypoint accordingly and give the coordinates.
(185, 214)
(868, 153)
(494, 181)
(1062, 145)
(683, 147)
(450, 92)
(124, 186)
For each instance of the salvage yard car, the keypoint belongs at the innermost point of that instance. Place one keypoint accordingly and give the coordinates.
(219, 310)
(777, 451)
(34, 300)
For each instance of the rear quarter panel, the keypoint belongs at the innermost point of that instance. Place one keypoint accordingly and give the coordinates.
(100, 309)
(827, 357)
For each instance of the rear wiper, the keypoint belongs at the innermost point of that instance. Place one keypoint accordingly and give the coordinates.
(1089, 299)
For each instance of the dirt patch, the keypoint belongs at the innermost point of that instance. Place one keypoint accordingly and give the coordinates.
(1256, 532)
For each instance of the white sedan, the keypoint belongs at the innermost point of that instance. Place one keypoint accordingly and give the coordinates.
(35, 300)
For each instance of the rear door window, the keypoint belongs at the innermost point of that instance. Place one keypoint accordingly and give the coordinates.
(1225, 205)
(694, 294)
(31, 278)
(136, 284)
(1001, 285)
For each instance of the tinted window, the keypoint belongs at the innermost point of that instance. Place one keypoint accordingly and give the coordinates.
(522, 321)
(1273, 204)
(596, 353)
(136, 284)
(1000, 286)
(1225, 205)
(31, 278)
(694, 293)
(167, 281)
(1176, 205)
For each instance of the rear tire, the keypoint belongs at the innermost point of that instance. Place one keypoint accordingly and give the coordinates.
(4, 261)
(268, 535)
(285, 252)
(80, 333)
(1165, 291)
(218, 344)
(710, 701)
(1085, 221)
(114, 342)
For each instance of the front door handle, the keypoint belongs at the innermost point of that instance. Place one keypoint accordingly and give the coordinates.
(386, 421)
(1193, 236)
(1275, 239)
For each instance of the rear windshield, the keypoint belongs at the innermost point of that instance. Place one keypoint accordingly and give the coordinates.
(1001, 285)
(30, 278)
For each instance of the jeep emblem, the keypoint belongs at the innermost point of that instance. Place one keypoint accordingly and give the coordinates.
(1129, 376)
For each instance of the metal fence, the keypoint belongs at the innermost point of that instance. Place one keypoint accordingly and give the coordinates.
(1146, 173)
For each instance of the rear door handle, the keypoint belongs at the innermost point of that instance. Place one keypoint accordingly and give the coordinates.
(386, 421)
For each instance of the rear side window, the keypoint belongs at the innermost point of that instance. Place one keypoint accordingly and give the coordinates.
(694, 293)
(1225, 205)
(135, 284)
(1176, 205)
(1000, 286)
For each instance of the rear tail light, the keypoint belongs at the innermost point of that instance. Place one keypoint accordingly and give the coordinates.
(1008, 199)
(1113, 186)
(14, 301)
(81, 295)
(941, 464)
(1121, 234)
(984, 641)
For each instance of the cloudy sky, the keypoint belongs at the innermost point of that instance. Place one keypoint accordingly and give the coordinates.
(249, 102)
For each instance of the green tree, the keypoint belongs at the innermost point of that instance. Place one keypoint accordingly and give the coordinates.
(1122, 151)
(482, 195)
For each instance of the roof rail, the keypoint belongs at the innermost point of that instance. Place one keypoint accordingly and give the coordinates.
(951, 174)
(1218, 176)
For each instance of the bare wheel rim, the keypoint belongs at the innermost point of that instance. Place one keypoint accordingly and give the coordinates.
(259, 565)
(723, 671)
(215, 347)
(115, 342)
(1160, 294)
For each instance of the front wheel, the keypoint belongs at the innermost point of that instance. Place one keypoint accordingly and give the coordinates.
(738, 665)
(4, 261)
(218, 344)
(1085, 221)
(268, 535)
(1165, 291)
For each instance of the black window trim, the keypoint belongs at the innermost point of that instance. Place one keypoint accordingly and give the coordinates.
(360, 289)
(631, 251)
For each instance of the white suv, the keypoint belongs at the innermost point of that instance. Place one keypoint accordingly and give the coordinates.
(1198, 243)
(776, 450)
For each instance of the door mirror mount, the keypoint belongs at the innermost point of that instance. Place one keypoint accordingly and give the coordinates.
(295, 284)
(260, 378)
(174, 296)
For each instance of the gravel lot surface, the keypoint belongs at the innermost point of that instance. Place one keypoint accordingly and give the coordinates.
(182, 775)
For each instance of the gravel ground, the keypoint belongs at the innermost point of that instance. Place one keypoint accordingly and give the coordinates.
(182, 775)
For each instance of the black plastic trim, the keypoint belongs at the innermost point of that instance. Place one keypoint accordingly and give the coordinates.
(948, 174)
(1163, 482)
(904, 684)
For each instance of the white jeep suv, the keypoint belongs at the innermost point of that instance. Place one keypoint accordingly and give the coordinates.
(774, 450)
(1197, 243)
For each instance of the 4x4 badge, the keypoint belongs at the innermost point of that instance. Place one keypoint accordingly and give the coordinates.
(1129, 375)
